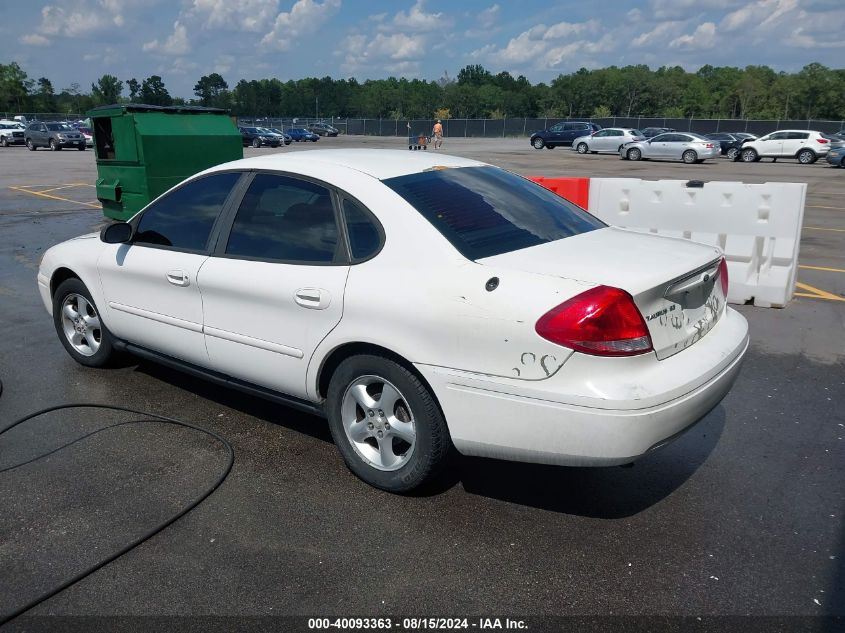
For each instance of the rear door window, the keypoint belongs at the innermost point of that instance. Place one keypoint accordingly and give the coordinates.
(486, 211)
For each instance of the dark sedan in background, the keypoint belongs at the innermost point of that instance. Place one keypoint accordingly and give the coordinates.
(651, 132)
(301, 134)
(323, 129)
(729, 143)
(836, 157)
(562, 133)
(258, 138)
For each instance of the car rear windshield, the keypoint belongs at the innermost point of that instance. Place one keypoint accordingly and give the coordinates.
(486, 211)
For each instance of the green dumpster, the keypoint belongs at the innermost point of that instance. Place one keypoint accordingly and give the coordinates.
(143, 150)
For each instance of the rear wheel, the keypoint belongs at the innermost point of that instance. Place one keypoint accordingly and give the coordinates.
(78, 325)
(749, 156)
(806, 157)
(582, 148)
(634, 154)
(550, 146)
(689, 157)
(842, 162)
(538, 143)
(386, 423)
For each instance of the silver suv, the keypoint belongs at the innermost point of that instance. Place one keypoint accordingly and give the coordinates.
(53, 135)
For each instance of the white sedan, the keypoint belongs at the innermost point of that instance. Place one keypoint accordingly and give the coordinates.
(418, 301)
(609, 139)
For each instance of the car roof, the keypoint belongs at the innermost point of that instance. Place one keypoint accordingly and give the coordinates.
(378, 163)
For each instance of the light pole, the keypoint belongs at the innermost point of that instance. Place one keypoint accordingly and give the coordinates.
(316, 107)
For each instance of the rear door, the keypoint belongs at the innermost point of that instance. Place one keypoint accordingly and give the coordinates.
(794, 142)
(273, 288)
(150, 285)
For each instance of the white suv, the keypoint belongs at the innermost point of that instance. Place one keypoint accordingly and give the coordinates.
(11, 133)
(805, 145)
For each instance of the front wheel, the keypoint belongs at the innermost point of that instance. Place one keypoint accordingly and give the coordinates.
(689, 157)
(54, 147)
(256, 143)
(634, 154)
(4, 142)
(386, 423)
(732, 153)
(81, 148)
(749, 156)
(79, 327)
(30, 145)
(538, 143)
(582, 148)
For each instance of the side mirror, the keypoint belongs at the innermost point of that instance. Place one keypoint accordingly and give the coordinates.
(119, 233)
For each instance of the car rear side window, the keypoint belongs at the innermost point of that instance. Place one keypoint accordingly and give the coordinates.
(364, 237)
(183, 218)
(287, 220)
(486, 211)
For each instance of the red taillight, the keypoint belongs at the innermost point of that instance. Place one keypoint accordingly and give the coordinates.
(602, 321)
(709, 145)
(822, 140)
(723, 276)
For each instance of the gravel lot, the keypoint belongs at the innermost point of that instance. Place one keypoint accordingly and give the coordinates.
(741, 516)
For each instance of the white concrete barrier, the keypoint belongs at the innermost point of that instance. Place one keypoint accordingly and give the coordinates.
(758, 226)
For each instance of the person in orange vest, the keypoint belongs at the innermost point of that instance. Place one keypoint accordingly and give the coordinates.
(437, 132)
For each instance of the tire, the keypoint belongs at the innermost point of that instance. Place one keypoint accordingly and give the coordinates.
(4, 142)
(842, 163)
(84, 336)
(732, 153)
(423, 445)
(538, 143)
(806, 157)
(689, 157)
(313, 140)
(582, 148)
(30, 145)
(256, 143)
(54, 147)
(749, 155)
(550, 146)
(634, 154)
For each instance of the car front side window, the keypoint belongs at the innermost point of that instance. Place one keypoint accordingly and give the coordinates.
(183, 218)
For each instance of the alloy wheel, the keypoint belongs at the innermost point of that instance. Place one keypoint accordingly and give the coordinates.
(81, 324)
(378, 422)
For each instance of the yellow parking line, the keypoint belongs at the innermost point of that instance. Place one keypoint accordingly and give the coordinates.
(818, 228)
(815, 293)
(47, 195)
(830, 270)
(57, 188)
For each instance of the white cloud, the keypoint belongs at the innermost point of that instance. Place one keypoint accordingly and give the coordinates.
(81, 18)
(175, 44)
(305, 17)
(758, 14)
(484, 23)
(34, 39)
(702, 38)
(488, 17)
(241, 15)
(568, 29)
(657, 35)
(673, 9)
(416, 19)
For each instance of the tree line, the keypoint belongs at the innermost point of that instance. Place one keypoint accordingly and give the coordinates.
(753, 92)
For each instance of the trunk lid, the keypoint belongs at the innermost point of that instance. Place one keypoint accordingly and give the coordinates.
(673, 281)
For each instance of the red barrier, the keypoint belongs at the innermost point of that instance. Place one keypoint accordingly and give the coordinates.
(575, 190)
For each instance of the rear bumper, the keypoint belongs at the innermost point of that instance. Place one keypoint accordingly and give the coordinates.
(564, 422)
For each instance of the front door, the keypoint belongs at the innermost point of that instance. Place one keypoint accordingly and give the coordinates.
(273, 288)
(150, 285)
(772, 144)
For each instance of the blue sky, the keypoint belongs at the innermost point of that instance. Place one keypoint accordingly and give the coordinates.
(79, 40)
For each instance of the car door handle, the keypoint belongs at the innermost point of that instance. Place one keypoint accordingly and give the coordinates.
(313, 298)
(178, 277)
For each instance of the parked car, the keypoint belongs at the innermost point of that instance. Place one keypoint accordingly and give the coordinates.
(56, 136)
(743, 135)
(287, 138)
(686, 146)
(836, 156)
(807, 146)
(88, 134)
(562, 133)
(275, 133)
(323, 129)
(255, 137)
(651, 132)
(729, 144)
(609, 139)
(11, 133)
(578, 309)
(301, 134)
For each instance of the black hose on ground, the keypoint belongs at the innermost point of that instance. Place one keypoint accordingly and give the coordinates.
(149, 417)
